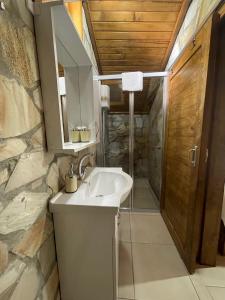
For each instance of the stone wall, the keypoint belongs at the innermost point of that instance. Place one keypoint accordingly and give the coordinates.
(29, 175)
(155, 141)
(117, 151)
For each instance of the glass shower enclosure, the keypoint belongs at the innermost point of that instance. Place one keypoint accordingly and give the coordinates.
(132, 136)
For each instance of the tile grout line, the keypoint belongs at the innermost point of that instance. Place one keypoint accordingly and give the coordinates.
(192, 283)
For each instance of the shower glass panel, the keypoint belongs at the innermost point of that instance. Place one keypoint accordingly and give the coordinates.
(116, 130)
(147, 120)
(148, 130)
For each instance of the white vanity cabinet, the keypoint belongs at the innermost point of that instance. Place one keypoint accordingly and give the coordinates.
(87, 251)
(63, 57)
(86, 232)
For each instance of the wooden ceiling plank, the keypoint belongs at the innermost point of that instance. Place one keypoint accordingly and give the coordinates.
(139, 6)
(155, 16)
(127, 62)
(120, 68)
(131, 56)
(153, 51)
(112, 16)
(133, 26)
(132, 43)
(151, 36)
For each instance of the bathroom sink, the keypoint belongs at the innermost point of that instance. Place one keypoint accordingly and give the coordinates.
(104, 187)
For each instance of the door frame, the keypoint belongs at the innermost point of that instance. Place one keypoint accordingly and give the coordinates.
(216, 163)
(197, 227)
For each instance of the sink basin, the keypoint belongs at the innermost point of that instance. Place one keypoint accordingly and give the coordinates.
(105, 187)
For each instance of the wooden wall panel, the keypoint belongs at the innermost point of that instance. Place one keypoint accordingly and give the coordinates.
(182, 208)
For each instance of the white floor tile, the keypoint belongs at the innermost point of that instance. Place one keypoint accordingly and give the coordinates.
(149, 228)
(212, 276)
(159, 274)
(201, 289)
(217, 293)
(126, 284)
(124, 228)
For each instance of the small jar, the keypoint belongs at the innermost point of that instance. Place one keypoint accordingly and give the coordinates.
(75, 136)
(85, 135)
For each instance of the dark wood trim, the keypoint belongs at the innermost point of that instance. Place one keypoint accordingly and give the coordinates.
(178, 25)
(216, 161)
(91, 32)
(206, 128)
(221, 246)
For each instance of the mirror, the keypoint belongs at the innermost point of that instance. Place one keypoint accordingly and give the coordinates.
(75, 84)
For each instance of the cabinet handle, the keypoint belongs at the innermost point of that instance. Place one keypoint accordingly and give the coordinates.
(193, 155)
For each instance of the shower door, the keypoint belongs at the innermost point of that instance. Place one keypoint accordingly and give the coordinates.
(127, 137)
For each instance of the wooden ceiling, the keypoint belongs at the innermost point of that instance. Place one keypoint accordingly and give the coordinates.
(134, 35)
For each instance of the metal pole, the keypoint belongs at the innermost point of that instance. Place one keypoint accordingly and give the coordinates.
(131, 143)
(119, 76)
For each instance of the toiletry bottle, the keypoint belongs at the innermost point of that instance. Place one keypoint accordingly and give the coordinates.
(71, 181)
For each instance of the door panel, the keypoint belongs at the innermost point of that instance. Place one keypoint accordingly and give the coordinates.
(186, 104)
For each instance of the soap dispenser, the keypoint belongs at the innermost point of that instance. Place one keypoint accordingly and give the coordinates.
(71, 181)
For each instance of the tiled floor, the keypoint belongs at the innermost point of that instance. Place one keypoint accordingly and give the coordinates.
(144, 197)
(151, 268)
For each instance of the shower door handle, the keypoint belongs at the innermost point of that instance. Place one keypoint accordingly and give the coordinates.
(193, 155)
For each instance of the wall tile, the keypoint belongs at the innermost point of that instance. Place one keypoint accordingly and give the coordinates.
(22, 211)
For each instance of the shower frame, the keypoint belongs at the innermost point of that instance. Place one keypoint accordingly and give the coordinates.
(164, 75)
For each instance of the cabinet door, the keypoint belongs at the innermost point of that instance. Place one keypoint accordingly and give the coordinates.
(181, 206)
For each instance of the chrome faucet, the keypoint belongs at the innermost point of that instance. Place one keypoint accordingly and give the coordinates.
(82, 169)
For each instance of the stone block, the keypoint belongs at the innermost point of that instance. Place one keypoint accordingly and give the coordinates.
(53, 178)
(11, 274)
(11, 148)
(18, 113)
(22, 211)
(18, 50)
(28, 285)
(50, 289)
(29, 168)
(34, 238)
(47, 255)
(4, 176)
(37, 96)
(3, 256)
(38, 139)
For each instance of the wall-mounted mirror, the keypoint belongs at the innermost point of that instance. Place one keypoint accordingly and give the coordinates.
(67, 80)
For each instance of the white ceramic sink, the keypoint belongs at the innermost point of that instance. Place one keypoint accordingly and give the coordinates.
(105, 187)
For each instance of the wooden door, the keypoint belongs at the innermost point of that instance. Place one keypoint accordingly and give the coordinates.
(186, 147)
